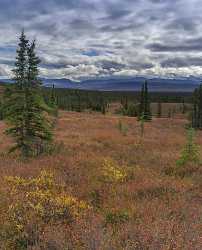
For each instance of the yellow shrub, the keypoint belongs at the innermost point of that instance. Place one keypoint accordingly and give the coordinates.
(37, 202)
(112, 172)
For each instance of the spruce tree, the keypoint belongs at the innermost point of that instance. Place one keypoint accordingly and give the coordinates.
(15, 97)
(1, 110)
(78, 95)
(126, 103)
(102, 105)
(144, 107)
(53, 101)
(141, 105)
(25, 105)
(20, 70)
(159, 109)
(197, 108)
(38, 132)
(184, 108)
(199, 115)
(146, 103)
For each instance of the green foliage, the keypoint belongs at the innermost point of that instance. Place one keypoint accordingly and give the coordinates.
(53, 101)
(142, 125)
(159, 110)
(96, 199)
(130, 111)
(144, 107)
(116, 218)
(123, 128)
(184, 107)
(103, 108)
(191, 150)
(197, 108)
(67, 99)
(182, 172)
(24, 105)
(1, 110)
(124, 103)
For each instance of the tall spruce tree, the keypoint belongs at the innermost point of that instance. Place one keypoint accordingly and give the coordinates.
(141, 105)
(25, 105)
(184, 108)
(159, 109)
(15, 97)
(144, 107)
(1, 110)
(126, 103)
(197, 108)
(53, 101)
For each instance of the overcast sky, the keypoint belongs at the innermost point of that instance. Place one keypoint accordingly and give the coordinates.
(90, 38)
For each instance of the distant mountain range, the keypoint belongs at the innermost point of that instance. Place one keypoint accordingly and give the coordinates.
(125, 84)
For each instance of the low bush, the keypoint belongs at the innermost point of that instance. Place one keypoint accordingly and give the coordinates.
(112, 173)
(116, 218)
(190, 152)
(123, 128)
(33, 205)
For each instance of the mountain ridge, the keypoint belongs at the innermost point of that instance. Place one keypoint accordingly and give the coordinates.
(185, 84)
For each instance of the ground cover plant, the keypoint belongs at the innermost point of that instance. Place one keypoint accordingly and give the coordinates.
(129, 197)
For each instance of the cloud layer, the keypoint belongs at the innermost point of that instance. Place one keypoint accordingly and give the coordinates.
(90, 38)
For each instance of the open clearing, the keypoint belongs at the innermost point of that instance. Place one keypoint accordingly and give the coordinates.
(164, 211)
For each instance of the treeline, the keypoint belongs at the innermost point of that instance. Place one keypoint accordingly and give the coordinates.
(99, 101)
(79, 100)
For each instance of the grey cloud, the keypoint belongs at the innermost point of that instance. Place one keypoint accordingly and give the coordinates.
(139, 66)
(92, 37)
(107, 65)
(180, 62)
(2, 71)
(182, 46)
(81, 24)
(184, 23)
(7, 62)
(116, 14)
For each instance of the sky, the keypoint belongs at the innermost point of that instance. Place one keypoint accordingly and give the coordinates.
(79, 39)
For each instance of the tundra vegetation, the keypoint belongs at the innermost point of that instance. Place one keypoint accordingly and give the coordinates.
(97, 173)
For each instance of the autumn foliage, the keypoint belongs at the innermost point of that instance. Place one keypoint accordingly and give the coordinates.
(103, 189)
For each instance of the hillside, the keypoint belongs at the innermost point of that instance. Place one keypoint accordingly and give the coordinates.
(135, 202)
(128, 84)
